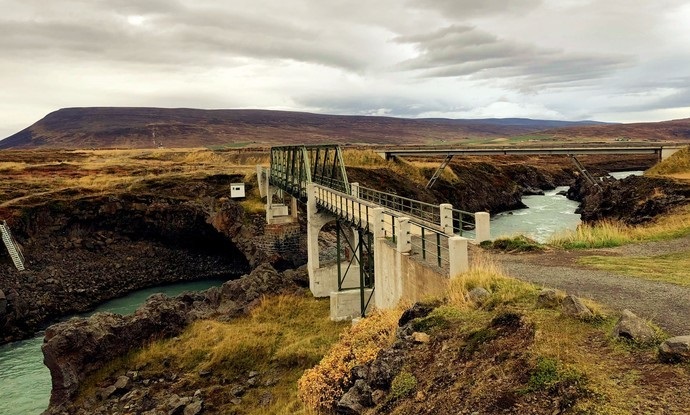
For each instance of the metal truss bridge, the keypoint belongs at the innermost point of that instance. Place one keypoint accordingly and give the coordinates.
(316, 176)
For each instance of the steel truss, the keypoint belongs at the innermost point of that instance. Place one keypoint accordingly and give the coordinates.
(362, 253)
(294, 167)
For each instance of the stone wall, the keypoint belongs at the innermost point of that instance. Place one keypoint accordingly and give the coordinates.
(285, 240)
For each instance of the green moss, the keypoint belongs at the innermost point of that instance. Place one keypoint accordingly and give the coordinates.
(476, 339)
(549, 375)
(403, 384)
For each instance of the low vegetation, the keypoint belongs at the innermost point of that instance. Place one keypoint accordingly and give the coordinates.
(677, 166)
(671, 268)
(608, 233)
(281, 338)
(321, 386)
(506, 354)
(32, 177)
(514, 244)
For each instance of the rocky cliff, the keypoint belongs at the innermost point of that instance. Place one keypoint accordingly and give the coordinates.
(79, 347)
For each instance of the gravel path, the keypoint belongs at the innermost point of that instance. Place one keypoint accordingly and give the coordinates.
(667, 305)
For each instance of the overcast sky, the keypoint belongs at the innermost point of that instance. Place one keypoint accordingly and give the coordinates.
(609, 60)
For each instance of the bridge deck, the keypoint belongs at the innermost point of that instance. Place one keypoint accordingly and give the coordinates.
(491, 151)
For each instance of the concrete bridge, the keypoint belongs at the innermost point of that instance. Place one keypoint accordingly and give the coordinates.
(388, 247)
(662, 151)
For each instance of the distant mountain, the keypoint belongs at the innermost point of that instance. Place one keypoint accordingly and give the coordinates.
(674, 130)
(109, 127)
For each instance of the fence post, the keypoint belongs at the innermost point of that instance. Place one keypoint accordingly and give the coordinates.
(457, 256)
(377, 217)
(447, 218)
(482, 227)
(404, 238)
(354, 189)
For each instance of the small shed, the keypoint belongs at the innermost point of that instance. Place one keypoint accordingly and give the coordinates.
(236, 190)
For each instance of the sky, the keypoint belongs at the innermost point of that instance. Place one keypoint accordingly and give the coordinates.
(607, 60)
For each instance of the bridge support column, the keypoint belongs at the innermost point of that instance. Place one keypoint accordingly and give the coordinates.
(293, 207)
(667, 152)
(262, 180)
(482, 225)
(321, 280)
(388, 263)
(457, 255)
(447, 218)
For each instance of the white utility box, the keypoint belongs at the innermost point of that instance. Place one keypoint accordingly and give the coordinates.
(236, 190)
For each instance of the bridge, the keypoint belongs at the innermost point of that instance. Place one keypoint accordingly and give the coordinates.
(662, 151)
(388, 247)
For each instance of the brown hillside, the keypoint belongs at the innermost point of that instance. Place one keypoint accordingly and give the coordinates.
(152, 127)
(674, 130)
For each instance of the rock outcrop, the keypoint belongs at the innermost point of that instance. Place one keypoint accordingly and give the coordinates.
(633, 200)
(78, 347)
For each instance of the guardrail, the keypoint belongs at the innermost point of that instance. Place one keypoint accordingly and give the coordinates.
(455, 221)
(426, 240)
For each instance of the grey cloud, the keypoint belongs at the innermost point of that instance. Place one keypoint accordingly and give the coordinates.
(368, 104)
(175, 35)
(469, 8)
(464, 51)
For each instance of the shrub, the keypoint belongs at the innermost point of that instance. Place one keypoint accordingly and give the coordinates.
(403, 384)
(321, 387)
(518, 243)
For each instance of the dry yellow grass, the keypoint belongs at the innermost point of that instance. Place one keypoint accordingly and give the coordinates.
(486, 274)
(104, 171)
(283, 336)
(612, 233)
(319, 387)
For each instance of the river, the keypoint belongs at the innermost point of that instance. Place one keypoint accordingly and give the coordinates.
(25, 381)
(545, 215)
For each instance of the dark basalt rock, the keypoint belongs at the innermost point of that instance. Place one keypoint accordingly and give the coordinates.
(78, 347)
(633, 200)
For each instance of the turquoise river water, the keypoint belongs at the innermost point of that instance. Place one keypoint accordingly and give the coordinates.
(25, 381)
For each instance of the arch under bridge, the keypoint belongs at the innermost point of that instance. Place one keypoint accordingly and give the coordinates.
(388, 247)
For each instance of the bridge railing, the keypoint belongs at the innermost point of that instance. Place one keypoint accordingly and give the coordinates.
(420, 210)
(455, 221)
(428, 242)
(464, 223)
(346, 207)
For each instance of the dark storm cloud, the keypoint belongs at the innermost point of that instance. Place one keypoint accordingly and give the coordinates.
(460, 51)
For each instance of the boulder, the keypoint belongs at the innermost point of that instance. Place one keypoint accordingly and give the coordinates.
(419, 337)
(384, 368)
(548, 298)
(478, 295)
(532, 191)
(675, 350)
(573, 306)
(634, 328)
(194, 408)
(418, 310)
(356, 399)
